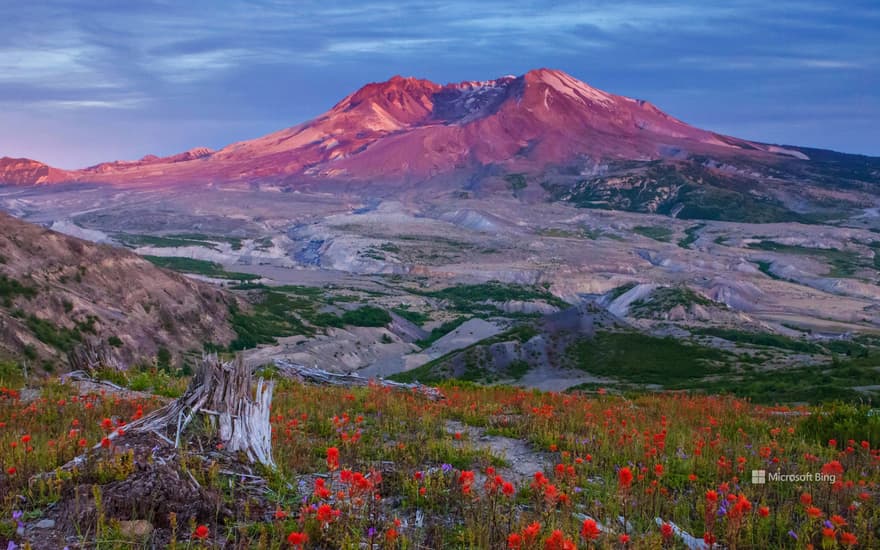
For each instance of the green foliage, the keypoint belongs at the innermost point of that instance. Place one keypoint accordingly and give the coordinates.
(10, 373)
(663, 299)
(692, 233)
(416, 317)
(518, 369)
(271, 317)
(11, 288)
(843, 421)
(765, 339)
(619, 291)
(765, 268)
(441, 331)
(198, 267)
(644, 359)
(471, 298)
(366, 316)
(843, 263)
(163, 358)
(177, 241)
(60, 338)
(656, 232)
(516, 182)
(114, 341)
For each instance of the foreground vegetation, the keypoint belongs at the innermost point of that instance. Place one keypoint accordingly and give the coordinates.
(387, 469)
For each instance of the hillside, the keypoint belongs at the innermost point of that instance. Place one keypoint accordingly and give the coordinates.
(57, 292)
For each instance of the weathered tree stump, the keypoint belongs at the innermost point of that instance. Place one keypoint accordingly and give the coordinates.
(91, 357)
(222, 391)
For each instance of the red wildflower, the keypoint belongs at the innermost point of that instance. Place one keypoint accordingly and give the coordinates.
(557, 541)
(838, 520)
(11, 471)
(391, 535)
(590, 530)
(829, 533)
(332, 458)
(508, 489)
(834, 468)
(326, 513)
(624, 538)
(667, 531)
(297, 540)
(105, 442)
(201, 532)
(763, 511)
(848, 539)
(514, 541)
(625, 477)
(530, 533)
(806, 499)
(814, 512)
(711, 496)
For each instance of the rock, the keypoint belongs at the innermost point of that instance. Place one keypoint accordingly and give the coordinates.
(138, 529)
(45, 524)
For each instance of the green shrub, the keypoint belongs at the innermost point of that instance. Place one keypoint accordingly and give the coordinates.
(367, 316)
(843, 421)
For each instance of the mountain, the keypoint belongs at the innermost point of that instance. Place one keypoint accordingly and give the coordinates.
(575, 143)
(57, 292)
(30, 172)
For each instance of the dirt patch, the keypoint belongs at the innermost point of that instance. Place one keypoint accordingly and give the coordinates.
(522, 459)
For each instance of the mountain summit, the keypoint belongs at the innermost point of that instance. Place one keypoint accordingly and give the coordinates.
(412, 130)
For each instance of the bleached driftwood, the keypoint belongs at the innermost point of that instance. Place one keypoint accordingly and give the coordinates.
(83, 376)
(318, 376)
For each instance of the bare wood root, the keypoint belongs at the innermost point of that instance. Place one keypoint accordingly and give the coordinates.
(318, 376)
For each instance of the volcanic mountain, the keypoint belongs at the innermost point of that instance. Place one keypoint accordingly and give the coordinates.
(411, 129)
(574, 142)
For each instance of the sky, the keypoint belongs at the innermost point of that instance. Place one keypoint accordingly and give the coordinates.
(86, 81)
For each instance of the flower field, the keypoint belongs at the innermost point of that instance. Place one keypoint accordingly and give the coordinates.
(376, 468)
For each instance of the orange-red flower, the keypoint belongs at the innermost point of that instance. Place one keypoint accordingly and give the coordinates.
(201, 532)
(297, 540)
(332, 458)
(625, 477)
(590, 530)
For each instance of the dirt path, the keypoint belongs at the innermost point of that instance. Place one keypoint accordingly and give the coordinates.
(522, 459)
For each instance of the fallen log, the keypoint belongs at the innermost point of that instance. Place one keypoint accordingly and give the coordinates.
(315, 375)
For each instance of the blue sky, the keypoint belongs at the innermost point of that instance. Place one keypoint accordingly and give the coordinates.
(85, 81)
